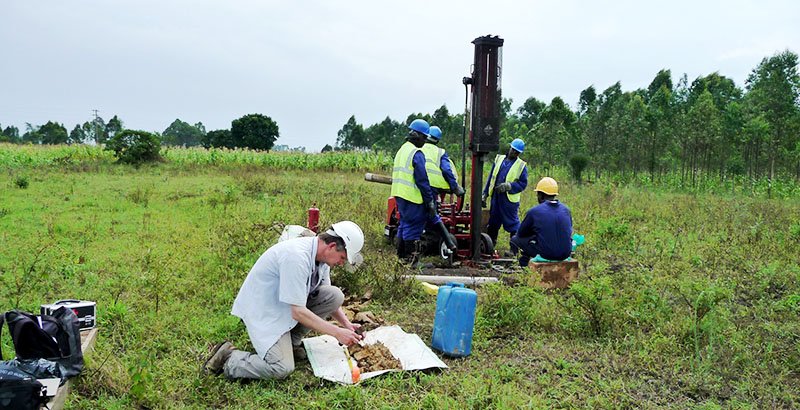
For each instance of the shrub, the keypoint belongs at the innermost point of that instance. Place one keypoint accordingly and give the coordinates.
(578, 163)
(508, 310)
(21, 182)
(595, 300)
(135, 147)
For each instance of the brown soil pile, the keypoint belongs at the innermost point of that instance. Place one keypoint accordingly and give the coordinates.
(374, 357)
(355, 309)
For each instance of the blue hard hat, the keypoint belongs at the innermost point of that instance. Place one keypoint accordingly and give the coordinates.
(518, 145)
(435, 133)
(421, 126)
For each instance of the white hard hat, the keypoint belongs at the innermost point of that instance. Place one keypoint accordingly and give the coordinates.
(353, 239)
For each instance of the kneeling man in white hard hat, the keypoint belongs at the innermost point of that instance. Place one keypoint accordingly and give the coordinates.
(287, 293)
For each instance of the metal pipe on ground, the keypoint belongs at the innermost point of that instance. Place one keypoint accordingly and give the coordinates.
(466, 280)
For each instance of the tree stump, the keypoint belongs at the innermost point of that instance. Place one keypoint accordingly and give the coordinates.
(553, 275)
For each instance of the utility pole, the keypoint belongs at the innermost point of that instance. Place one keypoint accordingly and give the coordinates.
(96, 132)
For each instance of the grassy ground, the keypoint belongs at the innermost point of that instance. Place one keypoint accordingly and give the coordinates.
(683, 301)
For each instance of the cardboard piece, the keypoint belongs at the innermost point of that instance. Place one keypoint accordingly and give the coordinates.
(329, 361)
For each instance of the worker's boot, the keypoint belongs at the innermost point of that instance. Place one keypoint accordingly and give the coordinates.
(401, 249)
(415, 250)
(448, 239)
(493, 231)
(219, 355)
(514, 249)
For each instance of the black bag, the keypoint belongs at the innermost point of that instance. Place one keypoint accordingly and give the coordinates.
(56, 338)
(38, 368)
(19, 390)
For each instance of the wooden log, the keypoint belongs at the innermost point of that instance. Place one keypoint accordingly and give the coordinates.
(88, 338)
(381, 179)
(553, 275)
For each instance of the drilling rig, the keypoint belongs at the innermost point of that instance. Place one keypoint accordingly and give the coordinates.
(483, 96)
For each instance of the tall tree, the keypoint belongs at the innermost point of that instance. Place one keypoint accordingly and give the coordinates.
(774, 90)
(181, 133)
(660, 119)
(723, 90)
(704, 128)
(351, 136)
(53, 133)
(554, 134)
(96, 129)
(598, 134)
(530, 111)
(10, 134)
(386, 135)
(114, 126)
(587, 101)
(76, 136)
(663, 79)
(254, 131)
(218, 139)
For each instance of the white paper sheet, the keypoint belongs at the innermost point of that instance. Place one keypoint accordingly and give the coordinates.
(329, 361)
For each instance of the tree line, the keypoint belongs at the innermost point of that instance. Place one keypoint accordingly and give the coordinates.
(253, 131)
(709, 127)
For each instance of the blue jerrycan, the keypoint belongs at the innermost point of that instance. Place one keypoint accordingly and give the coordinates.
(454, 320)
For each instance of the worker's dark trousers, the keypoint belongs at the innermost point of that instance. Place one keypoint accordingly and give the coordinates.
(528, 249)
(494, 231)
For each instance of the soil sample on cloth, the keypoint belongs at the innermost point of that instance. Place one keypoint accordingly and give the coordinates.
(374, 357)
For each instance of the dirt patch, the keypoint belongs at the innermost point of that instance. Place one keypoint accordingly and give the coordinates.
(374, 357)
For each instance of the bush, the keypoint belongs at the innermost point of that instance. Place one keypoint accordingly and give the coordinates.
(578, 163)
(21, 182)
(135, 147)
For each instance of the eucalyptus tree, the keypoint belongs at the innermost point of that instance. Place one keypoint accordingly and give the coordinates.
(773, 89)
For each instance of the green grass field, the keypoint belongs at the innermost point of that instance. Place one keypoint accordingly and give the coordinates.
(684, 301)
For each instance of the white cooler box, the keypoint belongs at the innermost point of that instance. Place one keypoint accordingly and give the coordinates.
(85, 311)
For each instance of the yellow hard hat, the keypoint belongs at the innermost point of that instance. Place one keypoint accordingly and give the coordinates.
(547, 185)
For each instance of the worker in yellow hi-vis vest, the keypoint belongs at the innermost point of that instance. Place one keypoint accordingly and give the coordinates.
(412, 192)
(441, 174)
(441, 170)
(507, 179)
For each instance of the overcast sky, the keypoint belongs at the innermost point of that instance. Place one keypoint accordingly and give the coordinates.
(311, 64)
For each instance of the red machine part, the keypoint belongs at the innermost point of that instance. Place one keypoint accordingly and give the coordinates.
(313, 218)
(391, 209)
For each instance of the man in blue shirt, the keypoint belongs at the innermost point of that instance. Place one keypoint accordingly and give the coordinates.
(547, 228)
(507, 179)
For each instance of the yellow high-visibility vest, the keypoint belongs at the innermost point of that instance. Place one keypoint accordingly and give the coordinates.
(512, 176)
(433, 160)
(403, 184)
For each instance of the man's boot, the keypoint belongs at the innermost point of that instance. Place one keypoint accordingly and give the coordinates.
(219, 355)
(401, 249)
(414, 254)
(514, 249)
(493, 231)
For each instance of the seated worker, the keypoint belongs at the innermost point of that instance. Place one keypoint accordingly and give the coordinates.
(288, 292)
(547, 228)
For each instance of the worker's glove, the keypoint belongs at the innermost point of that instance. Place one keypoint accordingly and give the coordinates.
(504, 187)
(431, 208)
(459, 191)
(483, 201)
